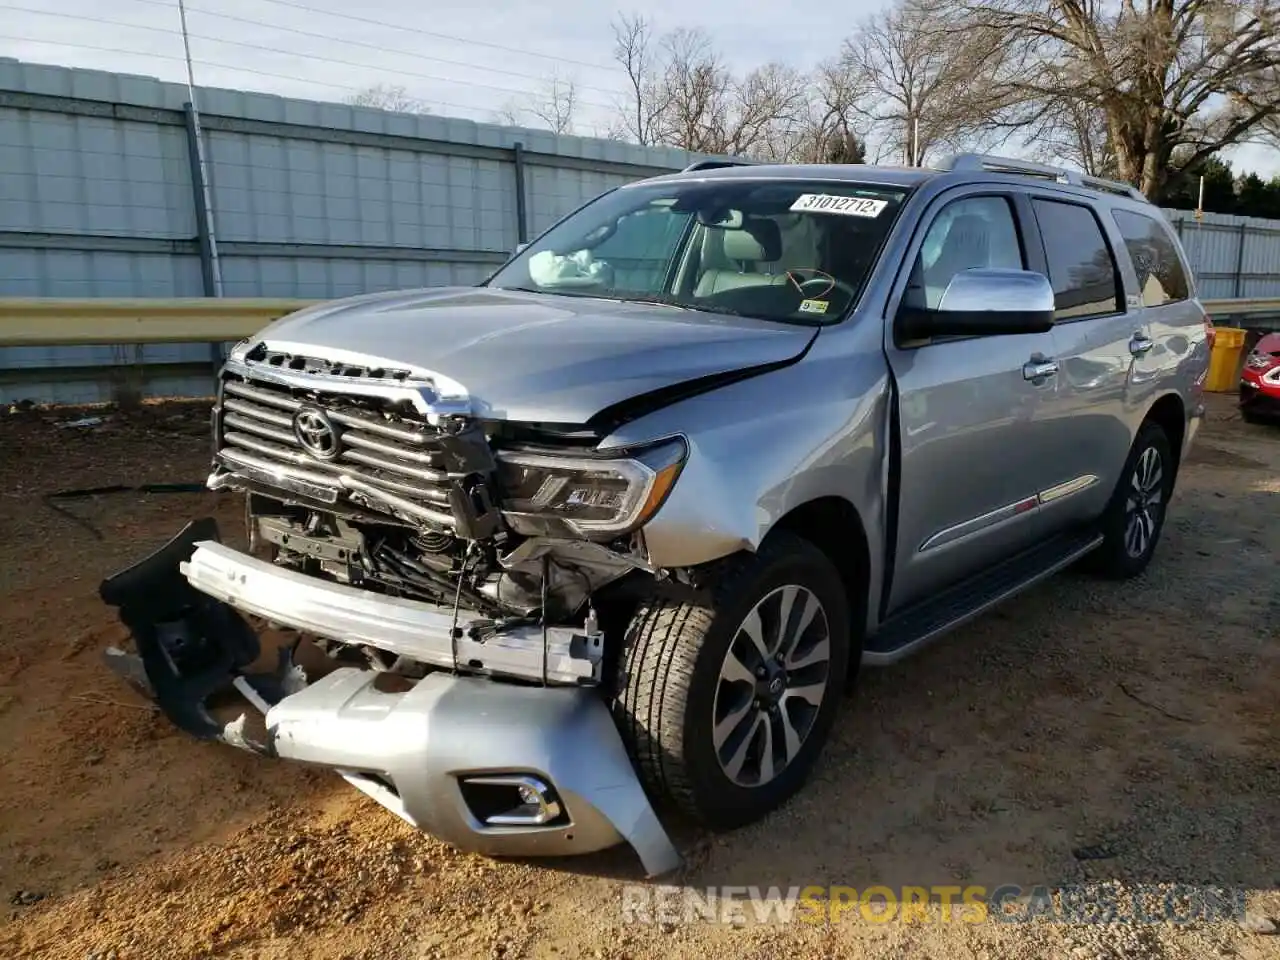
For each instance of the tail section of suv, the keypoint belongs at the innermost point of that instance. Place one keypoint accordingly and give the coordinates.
(612, 532)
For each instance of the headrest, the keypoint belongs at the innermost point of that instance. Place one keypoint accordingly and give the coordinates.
(968, 229)
(759, 239)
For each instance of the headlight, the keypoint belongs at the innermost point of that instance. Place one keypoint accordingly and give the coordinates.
(597, 497)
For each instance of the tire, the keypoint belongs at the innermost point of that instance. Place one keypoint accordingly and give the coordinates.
(1134, 518)
(1249, 416)
(675, 678)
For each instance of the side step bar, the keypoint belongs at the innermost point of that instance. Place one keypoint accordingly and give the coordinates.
(918, 625)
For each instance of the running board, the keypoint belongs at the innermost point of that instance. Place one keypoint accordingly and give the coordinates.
(908, 631)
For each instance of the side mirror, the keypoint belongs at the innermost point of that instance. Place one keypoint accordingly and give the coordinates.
(982, 303)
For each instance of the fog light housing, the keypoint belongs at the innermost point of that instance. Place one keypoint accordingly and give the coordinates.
(512, 800)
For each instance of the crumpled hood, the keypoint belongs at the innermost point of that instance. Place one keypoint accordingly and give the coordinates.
(538, 357)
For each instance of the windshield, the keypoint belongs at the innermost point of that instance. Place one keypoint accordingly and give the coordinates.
(791, 251)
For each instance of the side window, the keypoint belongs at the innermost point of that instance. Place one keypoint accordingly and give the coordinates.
(966, 234)
(1084, 277)
(1155, 259)
(639, 250)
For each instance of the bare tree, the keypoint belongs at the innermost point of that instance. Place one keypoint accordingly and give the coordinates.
(634, 50)
(682, 94)
(1174, 80)
(385, 97)
(1071, 130)
(829, 132)
(695, 89)
(553, 106)
(921, 85)
(769, 113)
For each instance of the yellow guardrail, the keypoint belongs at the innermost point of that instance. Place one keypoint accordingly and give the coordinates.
(67, 322)
(1243, 307)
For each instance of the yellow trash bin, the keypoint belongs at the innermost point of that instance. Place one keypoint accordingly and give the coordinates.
(1224, 362)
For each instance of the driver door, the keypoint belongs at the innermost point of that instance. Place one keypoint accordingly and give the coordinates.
(976, 447)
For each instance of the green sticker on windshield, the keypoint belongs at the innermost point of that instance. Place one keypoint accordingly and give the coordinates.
(813, 306)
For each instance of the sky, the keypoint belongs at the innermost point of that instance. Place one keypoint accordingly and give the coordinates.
(465, 58)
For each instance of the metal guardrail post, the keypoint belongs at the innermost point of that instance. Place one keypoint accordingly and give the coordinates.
(204, 237)
(522, 221)
(210, 274)
(1238, 288)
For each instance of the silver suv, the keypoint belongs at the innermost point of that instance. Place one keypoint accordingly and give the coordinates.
(614, 530)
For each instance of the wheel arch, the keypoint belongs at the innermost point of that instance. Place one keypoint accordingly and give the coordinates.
(834, 526)
(1170, 414)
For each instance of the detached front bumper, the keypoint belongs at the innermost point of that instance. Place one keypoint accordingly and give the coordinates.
(494, 767)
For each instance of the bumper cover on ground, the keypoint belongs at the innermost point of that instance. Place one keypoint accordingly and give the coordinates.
(412, 750)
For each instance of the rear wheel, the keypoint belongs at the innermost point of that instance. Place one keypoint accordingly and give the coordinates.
(1134, 518)
(726, 709)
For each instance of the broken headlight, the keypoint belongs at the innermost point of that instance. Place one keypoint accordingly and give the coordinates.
(598, 497)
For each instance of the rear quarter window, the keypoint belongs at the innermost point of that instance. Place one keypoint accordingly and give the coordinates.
(1161, 277)
(1081, 269)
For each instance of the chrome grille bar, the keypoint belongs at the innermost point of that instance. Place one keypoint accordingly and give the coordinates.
(395, 464)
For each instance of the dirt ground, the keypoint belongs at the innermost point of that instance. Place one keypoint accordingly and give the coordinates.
(1086, 731)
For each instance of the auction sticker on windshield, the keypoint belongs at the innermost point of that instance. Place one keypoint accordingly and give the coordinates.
(849, 206)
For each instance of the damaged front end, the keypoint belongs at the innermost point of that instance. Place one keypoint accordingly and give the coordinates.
(444, 575)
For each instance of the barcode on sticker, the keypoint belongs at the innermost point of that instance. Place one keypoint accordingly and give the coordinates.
(849, 206)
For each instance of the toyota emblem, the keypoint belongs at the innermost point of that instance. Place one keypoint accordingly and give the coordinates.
(318, 434)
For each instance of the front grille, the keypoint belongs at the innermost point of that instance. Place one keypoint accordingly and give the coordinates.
(382, 461)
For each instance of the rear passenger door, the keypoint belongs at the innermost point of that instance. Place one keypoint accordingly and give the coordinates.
(1099, 337)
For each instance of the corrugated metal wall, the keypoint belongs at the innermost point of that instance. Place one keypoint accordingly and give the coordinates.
(310, 199)
(1232, 256)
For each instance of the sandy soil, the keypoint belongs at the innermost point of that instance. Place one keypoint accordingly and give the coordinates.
(1137, 723)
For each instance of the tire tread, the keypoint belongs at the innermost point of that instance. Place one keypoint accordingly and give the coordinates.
(657, 664)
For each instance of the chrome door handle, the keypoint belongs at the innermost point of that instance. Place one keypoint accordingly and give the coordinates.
(1140, 344)
(1037, 368)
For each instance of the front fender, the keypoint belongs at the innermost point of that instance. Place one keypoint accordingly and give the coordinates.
(762, 447)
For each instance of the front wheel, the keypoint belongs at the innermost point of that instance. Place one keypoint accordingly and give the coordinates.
(725, 710)
(1134, 518)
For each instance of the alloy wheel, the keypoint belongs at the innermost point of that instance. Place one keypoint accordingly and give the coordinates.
(1144, 503)
(771, 686)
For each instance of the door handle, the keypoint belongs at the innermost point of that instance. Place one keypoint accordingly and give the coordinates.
(1140, 344)
(1039, 367)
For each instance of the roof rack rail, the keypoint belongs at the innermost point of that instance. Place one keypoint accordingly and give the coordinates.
(994, 164)
(716, 165)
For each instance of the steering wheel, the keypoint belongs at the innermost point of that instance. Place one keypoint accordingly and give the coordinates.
(821, 286)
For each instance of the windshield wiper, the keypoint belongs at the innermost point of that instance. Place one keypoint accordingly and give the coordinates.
(661, 301)
(651, 299)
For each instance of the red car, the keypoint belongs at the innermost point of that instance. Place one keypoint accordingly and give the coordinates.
(1260, 380)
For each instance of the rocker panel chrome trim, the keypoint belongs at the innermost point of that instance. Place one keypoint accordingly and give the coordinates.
(1024, 507)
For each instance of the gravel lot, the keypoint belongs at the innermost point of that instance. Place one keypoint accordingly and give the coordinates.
(1124, 736)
